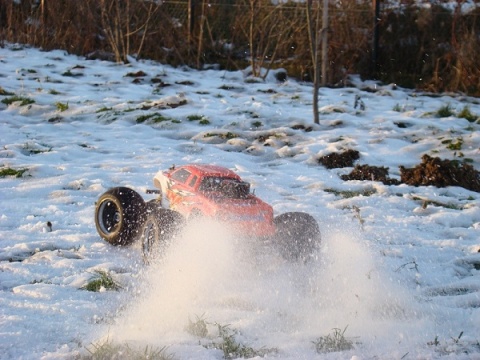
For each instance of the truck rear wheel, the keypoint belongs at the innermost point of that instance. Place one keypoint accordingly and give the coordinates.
(119, 215)
(297, 235)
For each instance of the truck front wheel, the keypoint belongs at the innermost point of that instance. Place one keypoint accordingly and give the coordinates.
(119, 215)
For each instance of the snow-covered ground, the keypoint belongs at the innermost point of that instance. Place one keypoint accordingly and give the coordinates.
(401, 278)
(463, 6)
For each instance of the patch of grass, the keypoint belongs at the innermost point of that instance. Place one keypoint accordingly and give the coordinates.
(61, 106)
(454, 146)
(267, 91)
(467, 114)
(346, 194)
(444, 111)
(68, 73)
(54, 92)
(455, 345)
(185, 82)
(334, 342)
(101, 281)
(252, 114)
(425, 202)
(253, 80)
(103, 109)
(136, 74)
(55, 119)
(257, 124)
(202, 120)
(38, 151)
(41, 281)
(142, 118)
(34, 149)
(227, 87)
(194, 117)
(227, 136)
(358, 216)
(155, 118)
(397, 108)
(18, 173)
(4, 92)
(225, 339)
(23, 100)
(108, 350)
(197, 327)
(232, 349)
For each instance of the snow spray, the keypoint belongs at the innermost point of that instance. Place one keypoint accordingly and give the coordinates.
(209, 273)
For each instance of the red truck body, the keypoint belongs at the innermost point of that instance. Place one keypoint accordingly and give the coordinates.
(211, 191)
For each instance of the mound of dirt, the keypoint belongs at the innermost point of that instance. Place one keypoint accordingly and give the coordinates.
(441, 173)
(432, 171)
(339, 160)
(373, 173)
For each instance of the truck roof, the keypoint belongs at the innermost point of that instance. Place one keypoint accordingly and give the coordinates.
(211, 170)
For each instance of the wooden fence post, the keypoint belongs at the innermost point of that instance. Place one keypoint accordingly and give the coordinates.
(324, 43)
(376, 34)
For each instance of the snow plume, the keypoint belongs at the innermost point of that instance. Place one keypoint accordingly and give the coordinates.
(194, 271)
(208, 273)
(351, 290)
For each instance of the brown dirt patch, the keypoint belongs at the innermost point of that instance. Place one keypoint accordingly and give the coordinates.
(432, 171)
(441, 173)
(339, 160)
(373, 173)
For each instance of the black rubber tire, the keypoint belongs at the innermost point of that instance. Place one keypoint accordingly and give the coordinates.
(297, 235)
(160, 226)
(119, 213)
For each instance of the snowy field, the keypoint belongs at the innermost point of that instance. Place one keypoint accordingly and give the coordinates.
(398, 270)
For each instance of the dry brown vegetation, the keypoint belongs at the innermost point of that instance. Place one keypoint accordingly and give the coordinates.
(432, 171)
(429, 48)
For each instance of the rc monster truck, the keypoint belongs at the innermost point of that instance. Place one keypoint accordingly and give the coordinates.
(196, 191)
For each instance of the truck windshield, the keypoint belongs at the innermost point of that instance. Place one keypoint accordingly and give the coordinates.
(226, 187)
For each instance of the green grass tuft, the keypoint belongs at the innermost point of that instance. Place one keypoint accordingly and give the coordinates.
(155, 118)
(194, 117)
(61, 106)
(232, 349)
(18, 173)
(467, 114)
(101, 281)
(227, 136)
(108, 350)
(346, 194)
(444, 111)
(197, 327)
(4, 92)
(454, 146)
(103, 109)
(334, 342)
(23, 100)
(202, 120)
(397, 108)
